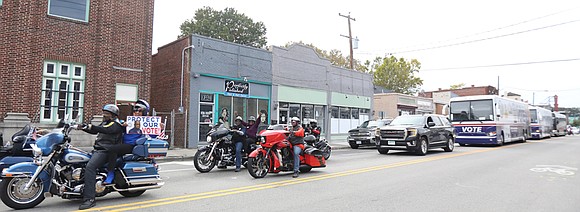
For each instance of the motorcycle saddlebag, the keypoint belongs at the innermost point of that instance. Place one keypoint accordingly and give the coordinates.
(152, 148)
(314, 161)
(141, 174)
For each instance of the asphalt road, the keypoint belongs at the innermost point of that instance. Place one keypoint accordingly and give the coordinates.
(533, 176)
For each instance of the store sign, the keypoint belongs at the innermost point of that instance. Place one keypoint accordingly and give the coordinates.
(205, 97)
(237, 88)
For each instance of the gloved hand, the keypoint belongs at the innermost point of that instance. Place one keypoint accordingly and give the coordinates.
(82, 126)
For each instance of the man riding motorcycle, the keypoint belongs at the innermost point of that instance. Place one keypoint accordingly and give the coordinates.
(239, 138)
(109, 133)
(314, 129)
(296, 138)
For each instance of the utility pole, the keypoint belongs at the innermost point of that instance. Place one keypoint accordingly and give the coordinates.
(349, 36)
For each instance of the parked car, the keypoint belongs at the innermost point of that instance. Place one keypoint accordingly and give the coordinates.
(364, 135)
(417, 133)
(575, 130)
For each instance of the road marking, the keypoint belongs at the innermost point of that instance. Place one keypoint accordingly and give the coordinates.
(245, 189)
(176, 170)
(561, 170)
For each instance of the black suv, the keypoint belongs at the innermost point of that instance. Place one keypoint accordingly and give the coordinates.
(364, 135)
(416, 133)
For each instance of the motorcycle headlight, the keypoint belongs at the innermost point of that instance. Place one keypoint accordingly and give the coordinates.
(208, 139)
(263, 140)
(412, 132)
(37, 152)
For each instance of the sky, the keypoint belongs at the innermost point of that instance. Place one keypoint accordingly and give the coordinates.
(532, 47)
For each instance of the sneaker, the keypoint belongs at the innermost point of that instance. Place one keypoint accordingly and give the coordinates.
(295, 175)
(110, 177)
(89, 203)
(238, 169)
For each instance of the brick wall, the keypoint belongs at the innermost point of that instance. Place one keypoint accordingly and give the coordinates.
(166, 86)
(118, 34)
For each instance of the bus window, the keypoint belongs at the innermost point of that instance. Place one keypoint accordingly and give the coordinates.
(482, 110)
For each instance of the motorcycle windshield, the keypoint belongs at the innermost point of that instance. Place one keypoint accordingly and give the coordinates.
(219, 133)
(48, 141)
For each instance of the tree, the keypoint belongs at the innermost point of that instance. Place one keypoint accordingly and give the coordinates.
(397, 75)
(335, 56)
(228, 25)
(457, 86)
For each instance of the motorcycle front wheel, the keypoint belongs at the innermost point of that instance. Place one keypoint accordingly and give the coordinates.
(202, 162)
(14, 195)
(258, 166)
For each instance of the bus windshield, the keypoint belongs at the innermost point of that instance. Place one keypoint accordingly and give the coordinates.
(476, 110)
(533, 116)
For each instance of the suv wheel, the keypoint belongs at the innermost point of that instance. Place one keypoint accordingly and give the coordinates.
(383, 151)
(354, 146)
(423, 146)
(450, 145)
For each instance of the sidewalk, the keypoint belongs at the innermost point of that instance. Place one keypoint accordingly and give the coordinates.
(187, 154)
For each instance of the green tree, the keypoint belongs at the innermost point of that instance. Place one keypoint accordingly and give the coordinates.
(457, 86)
(335, 56)
(228, 25)
(397, 75)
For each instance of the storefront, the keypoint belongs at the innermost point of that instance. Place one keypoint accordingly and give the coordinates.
(228, 98)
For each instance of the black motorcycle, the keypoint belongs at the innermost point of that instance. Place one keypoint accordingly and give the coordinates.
(320, 144)
(220, 151)
(18, 149)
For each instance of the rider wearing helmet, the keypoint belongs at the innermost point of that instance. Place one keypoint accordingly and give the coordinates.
(109, 133)
(239, 140)
(296, 138)
(314, 129)
(251, 131)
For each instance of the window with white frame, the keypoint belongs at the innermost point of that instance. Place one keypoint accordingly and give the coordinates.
(62, 90)
(71, 9)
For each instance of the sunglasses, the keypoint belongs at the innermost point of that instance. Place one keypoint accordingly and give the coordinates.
(138, 110)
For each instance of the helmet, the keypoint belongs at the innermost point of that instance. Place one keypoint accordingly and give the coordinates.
(144, 105)
(295, 119)
(111, 108)
(252, 118)
(239, 118)
(313, 121)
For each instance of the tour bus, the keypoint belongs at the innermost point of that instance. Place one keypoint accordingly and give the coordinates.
(489, 119)
(541, 122)
(560, 123)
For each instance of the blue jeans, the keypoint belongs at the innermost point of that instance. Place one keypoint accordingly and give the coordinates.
(297, 151)
(239, 146)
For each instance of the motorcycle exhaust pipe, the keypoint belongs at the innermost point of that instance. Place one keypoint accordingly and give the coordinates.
(159, 185)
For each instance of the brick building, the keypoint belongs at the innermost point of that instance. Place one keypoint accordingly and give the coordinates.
(71, 57)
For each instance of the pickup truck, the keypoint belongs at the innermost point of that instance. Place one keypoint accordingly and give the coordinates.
(416, 133)
(364, 135)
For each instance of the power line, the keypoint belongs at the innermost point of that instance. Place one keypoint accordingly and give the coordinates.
(507, 64)
(492, 30)
(488, 38)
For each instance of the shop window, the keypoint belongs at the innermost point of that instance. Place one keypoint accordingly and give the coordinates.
(62, 93)
(344, 113)
(335, 112)
(294, 110)
(252, 107)
(355, 114)
(263, 107)
(307, 112)
(238, 109)
(224, 106)
(70, 9)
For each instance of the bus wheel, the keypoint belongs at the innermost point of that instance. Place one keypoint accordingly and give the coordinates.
(501, 140)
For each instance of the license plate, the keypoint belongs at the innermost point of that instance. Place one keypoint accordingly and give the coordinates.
(391, 143)
(358, 142)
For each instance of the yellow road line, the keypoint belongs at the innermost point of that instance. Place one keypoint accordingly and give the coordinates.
(245, 189)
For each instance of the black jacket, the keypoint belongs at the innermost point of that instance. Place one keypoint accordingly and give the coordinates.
(108, 133)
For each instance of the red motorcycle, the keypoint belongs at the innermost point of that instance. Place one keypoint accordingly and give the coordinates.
(275, 155)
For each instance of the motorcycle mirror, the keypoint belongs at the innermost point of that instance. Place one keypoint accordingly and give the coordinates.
(60, 123)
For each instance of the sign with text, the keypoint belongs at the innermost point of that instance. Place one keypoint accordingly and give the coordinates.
(144, 125)
(237, 88)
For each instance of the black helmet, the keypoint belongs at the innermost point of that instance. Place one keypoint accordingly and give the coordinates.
(143, 105)
(112, 109)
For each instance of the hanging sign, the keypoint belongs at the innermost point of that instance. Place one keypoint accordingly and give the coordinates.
(237, 88)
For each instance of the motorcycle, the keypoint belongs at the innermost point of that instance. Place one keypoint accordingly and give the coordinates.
(274, 155)
(58, 169)
(320, 144)
(220, 150)
(19, 150)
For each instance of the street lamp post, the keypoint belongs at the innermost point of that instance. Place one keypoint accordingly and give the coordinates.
(181, 96)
